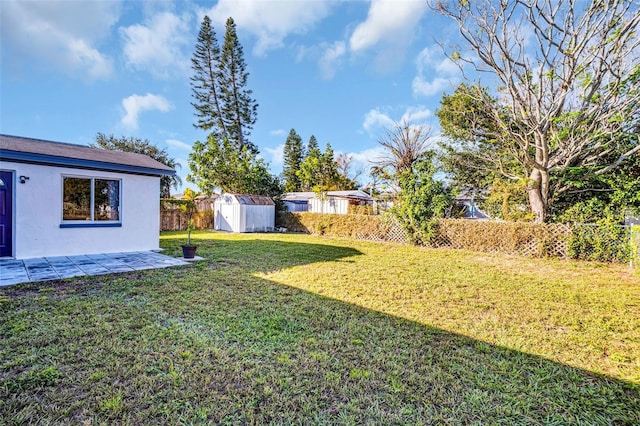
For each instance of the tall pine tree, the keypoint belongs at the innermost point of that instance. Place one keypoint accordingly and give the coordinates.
(227, 161)
(329, 176)
(319, 171)
(239, 108)
(313, 144)
(205, 82)
(310, 168)
(293, 157)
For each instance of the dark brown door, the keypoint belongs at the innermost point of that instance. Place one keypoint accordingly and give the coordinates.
(6, 214)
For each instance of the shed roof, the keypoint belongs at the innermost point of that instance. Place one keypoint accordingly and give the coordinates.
(305, 196)
(249, 199)
(38, 151)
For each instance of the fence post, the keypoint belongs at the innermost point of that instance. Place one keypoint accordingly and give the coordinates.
(634, 241)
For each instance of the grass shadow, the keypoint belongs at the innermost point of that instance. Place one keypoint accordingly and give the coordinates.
(221, 345)
(254, 254)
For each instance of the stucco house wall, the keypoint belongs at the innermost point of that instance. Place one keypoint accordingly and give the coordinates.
(123, 220)
(38, 214)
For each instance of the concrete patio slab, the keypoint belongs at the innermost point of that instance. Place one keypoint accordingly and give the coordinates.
(59, 267)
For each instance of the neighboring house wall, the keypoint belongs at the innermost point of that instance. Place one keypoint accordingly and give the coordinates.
(296, 206)
(335, 202)
(38, 214)
(331, 205)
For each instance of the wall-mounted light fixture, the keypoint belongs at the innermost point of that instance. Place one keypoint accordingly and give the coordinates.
(23, 179)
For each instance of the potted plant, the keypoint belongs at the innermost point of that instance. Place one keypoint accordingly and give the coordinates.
(189, 207)
(189, 250)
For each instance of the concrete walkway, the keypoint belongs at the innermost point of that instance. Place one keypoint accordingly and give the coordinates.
(55, 268)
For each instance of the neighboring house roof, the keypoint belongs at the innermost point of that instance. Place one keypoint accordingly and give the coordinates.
(353, 195)
(471, 210)
(36, 151)
(248, 199)
(297, 196)
(305, 196)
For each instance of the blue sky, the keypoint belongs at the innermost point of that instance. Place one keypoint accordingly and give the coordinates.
(340, 70)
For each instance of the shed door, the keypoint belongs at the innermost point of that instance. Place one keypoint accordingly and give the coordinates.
(6, 214)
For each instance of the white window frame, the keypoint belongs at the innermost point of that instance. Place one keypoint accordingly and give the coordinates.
(65, 223)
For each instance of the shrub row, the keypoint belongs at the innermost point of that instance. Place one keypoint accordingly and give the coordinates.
(602, 243)
(522, 238)
(337, 225)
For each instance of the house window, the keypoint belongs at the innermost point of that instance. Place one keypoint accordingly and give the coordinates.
(91, 200)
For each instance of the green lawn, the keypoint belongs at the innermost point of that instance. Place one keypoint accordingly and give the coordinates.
(293, 329)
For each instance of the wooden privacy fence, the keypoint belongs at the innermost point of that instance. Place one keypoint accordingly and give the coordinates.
(176, 220)
(174, 217)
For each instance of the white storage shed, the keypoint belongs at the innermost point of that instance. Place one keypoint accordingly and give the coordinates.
(244, 213)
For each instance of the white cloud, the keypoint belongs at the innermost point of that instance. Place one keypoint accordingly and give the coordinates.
(278, 132)
(65, 34)
(277, 154)
(389, 22)
(416, 114)
(447, 66)
(159, 45)
(376, 120)
(135, 104)
(423, 87)
(270, 22)
(389, 27)
(81, 56)
(435, 72)
(331, 59)
(368, 156)
(362, 161)
(174, 143)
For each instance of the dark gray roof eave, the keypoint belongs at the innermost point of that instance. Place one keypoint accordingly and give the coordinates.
(40, 151)
(52, 160)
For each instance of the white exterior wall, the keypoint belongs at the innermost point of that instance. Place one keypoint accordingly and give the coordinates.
(258, 218)
(231, 216)
(38, 214)
(226, 215)
(331, 205)
(296, 207)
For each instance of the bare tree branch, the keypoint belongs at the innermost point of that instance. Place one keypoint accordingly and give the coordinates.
(568, 79)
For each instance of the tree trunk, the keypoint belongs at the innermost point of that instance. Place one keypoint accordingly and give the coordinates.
(538, 193)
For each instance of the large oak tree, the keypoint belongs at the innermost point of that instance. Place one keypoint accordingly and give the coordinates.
(140, 146)
(567, 83)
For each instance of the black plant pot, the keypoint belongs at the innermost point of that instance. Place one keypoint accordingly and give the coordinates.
(189, 252)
